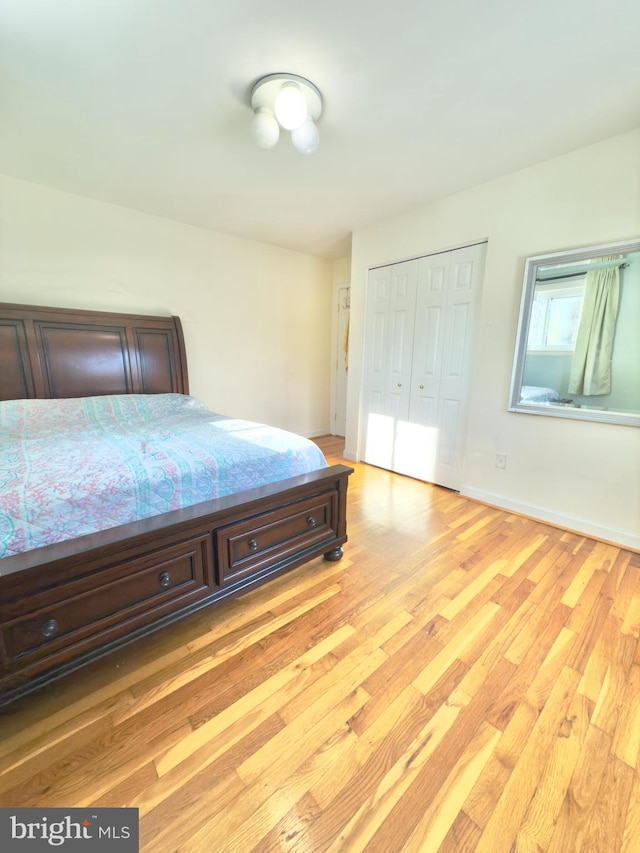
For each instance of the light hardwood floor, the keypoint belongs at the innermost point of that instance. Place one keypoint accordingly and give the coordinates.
(463, 680)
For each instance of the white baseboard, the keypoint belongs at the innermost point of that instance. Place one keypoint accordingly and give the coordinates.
(352, 457)
(577, 525)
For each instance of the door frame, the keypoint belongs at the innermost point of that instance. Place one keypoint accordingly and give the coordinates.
(335, 353)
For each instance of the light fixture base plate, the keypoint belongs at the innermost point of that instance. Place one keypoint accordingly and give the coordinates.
(266, 89)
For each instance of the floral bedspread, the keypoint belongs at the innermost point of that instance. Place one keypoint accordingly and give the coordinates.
(74, 466)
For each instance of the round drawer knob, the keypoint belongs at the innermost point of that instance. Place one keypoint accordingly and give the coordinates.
(421, 387)
(165, 579)
(311, 521)
(253, 544)
(50, 628)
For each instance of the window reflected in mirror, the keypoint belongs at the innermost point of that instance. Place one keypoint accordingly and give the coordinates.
(578, 343)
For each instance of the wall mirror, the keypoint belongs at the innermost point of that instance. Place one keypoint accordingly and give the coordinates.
(578, 343)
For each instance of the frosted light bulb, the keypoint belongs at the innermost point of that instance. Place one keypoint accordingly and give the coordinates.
(306, 137)
(290, 106)
(265, 128)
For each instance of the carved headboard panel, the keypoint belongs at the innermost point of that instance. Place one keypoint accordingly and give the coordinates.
(58, 352)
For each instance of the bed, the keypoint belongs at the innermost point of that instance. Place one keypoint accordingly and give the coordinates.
(539, 394)
(111, 561)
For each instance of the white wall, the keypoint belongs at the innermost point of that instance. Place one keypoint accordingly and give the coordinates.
(257, 319)
(342, 270)
(585, 476)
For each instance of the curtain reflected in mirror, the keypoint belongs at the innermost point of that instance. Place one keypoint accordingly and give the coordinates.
(578, 343)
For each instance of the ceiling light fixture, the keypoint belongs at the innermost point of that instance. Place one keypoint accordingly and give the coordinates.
(289, 102)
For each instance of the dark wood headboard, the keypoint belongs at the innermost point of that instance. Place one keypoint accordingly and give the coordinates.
(59, 352)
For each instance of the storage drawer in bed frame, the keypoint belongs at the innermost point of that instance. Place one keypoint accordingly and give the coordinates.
(104, 604)
(247, 547)
(63, 606)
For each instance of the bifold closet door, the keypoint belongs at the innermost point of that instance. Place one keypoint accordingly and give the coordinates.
(419, 336)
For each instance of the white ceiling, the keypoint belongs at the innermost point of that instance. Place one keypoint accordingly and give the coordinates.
(144, 103)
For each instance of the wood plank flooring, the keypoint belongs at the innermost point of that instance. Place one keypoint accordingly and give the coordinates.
(463, 680)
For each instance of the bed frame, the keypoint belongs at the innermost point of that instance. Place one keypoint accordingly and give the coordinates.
(67, 604)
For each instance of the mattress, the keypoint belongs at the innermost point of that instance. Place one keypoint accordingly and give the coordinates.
(75, 466)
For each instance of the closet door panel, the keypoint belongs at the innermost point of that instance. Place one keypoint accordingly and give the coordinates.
(463, 268)
(389, 331)
(421, 441)
(417, 441)
(446, 462)
(379, 441)
(427, 355)
(417, 437)
(378, 332)
(400, 344)
(380, 430)
(426, 368)
(402, 304)
(463, 297)
(458, 334)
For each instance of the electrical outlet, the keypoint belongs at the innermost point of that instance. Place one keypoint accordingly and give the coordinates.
(501, 460)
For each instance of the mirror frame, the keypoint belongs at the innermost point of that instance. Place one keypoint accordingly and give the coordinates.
(531, 267)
